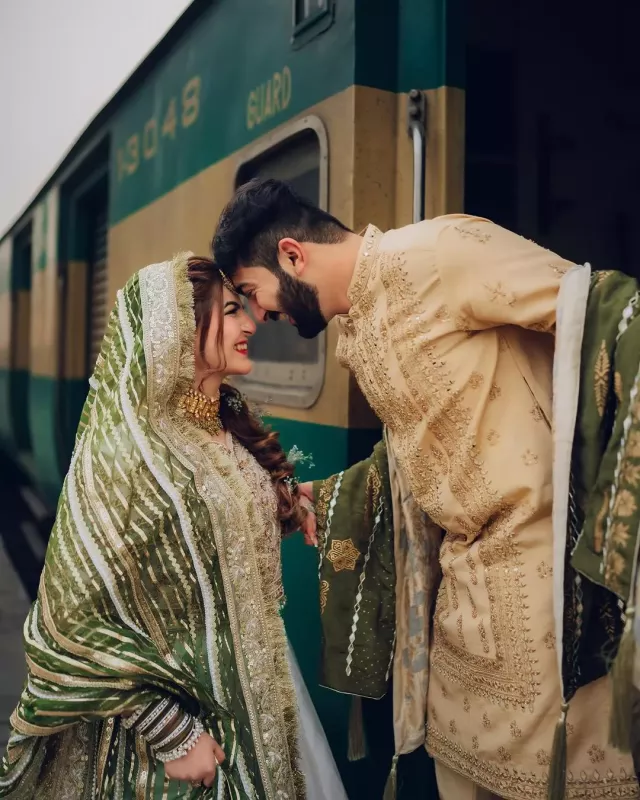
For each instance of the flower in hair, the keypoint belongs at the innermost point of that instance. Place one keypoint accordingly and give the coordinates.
(296, 456)
(234, 401)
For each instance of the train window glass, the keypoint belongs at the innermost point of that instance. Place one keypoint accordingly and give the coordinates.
(287, 369)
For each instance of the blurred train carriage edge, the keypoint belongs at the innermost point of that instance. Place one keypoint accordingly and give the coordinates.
(318, 92)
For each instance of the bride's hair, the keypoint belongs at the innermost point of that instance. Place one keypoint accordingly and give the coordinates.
(235, 415)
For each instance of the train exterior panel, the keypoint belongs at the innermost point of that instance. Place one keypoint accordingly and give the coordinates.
(237, 88)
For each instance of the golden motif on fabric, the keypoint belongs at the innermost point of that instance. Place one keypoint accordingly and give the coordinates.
(506, 780)
(508, 675)
(601, 371)
(343, 554)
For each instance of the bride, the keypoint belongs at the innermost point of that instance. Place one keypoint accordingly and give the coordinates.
(158, 664)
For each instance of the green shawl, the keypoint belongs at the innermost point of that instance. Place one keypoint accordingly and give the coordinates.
(606, 478)
(158, 581)
(357, 577)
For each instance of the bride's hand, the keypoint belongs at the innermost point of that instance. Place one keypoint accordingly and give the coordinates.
(306, 490)
(310, 529)
(199, 764)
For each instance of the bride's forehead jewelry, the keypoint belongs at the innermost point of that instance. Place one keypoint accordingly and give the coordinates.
(227, 283)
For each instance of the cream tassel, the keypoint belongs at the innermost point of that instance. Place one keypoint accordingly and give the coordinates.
(621, 681)
(558, 767)
(357, 748)
(391, 786)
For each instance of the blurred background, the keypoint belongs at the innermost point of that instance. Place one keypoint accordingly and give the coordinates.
(126, 127)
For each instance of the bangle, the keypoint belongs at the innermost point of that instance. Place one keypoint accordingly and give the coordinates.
(165, 722)
(176, 736)
(153, 715)
(130, 721)
(183, 748)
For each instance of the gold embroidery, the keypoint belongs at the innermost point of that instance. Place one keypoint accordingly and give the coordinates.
(442, 314)
(483, 637)
(598, 527)
(452, 727)
(473, 233)
(536, 413)
(486, 722)
(506, 780)
(631, 473)
(560, 269)
(617, 386)
(343, 554)
(625, 504)
(620, 534)
(466, 704)
(460, 631)
(544, 570)
(543, 758)
(474, 610)
(475, 380)
(493, 437)
(550, 641)
(516, 733)
(494, 392)
(601, 377)
(504, 755)
(596, 754)
(498, 294)
(475, 743)
(323, 500)
(471, 564)
(529, 458)
(324, 594)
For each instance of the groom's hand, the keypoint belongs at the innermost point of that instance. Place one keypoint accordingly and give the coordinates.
(306, 489)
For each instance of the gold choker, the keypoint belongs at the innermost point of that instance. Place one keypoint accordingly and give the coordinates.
(202, 410)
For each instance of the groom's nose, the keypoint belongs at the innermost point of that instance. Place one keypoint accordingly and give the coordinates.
(259, 314)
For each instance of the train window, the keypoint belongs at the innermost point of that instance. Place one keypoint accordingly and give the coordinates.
(288, 370)
(310, 18)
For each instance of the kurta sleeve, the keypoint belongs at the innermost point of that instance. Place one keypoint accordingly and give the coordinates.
(492, 276)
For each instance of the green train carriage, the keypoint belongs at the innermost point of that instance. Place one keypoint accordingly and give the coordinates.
(503, 122)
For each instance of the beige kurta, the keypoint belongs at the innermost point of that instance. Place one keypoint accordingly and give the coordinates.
(444, 338)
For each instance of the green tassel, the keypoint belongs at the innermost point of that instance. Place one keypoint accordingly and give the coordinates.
(391, 788)
(558, 767)
(621, 682)
(357, 746)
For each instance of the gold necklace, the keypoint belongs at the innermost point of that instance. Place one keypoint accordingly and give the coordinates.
(202, 410)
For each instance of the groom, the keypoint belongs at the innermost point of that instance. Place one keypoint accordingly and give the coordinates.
(448, 328)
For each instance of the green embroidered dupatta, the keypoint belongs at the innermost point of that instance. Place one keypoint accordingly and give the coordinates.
(158, 581)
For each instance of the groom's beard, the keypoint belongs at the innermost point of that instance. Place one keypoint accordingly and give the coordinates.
(299, 302)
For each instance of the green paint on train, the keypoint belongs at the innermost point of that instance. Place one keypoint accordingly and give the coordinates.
(210, 97)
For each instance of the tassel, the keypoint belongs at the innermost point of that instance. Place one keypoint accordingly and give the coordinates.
(621, 680)
(558, 767)
(391, 789)
(357, 748)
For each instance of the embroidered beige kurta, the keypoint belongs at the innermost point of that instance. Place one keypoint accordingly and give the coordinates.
(446, 339)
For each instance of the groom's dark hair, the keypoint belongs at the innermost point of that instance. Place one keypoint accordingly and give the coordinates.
(259, 215)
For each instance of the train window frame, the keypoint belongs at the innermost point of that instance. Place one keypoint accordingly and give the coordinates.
(289, 384)
(308, 28)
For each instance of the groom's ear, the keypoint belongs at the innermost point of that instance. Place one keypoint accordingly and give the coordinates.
(292, 256)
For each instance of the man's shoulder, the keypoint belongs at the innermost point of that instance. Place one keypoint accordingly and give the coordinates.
(424, 235)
